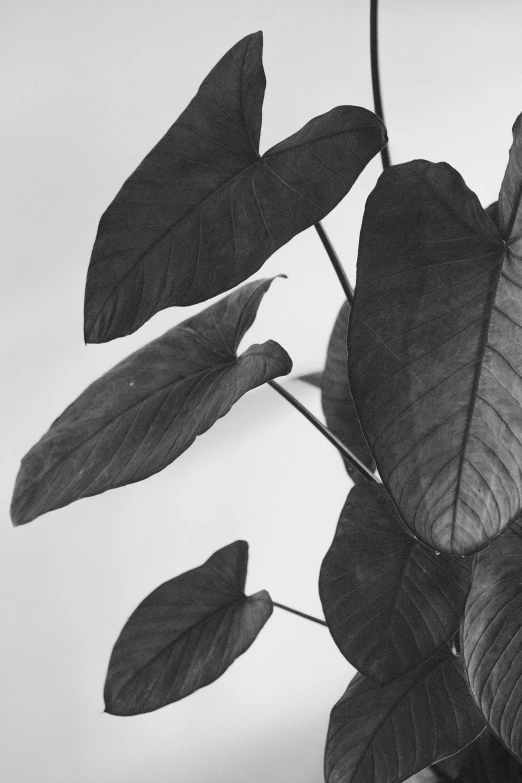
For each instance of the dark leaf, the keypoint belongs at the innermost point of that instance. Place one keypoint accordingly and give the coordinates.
(483, 761)
(203, 210)
(339, 410)
(509, 201)
(313, 378)
(435, 359)
(492, 636)
(141, 415)
(390, 602)
(185, 634)
(387, 733)
(492, 212)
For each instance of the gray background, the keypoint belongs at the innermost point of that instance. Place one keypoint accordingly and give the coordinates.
(87, 89)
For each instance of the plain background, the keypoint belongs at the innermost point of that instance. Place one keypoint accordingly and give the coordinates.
(87, 89)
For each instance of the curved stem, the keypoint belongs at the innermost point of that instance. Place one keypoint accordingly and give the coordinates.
(301, 614)
(346, 453)
(376, 84)
(336, 263)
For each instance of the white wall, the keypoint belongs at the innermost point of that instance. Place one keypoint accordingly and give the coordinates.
(87, 89)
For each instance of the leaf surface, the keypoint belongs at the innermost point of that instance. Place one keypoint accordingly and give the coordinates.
(387, 733)
(492, 636)
(509, 212)
(141, 415)
(203, 210)
(484, 760)
(435, 359)
(390, 602)
(185, 634)
(336, 397)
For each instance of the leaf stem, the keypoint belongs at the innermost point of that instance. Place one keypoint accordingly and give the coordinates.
(346, 453)
(336, 263)
(376, 84)
(301, 614)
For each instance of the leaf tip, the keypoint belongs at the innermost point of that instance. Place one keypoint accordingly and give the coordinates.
(20, 510)
(517, 125)
(312, 378)
(261, 595)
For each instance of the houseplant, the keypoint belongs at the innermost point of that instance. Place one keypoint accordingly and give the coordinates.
(37, 492)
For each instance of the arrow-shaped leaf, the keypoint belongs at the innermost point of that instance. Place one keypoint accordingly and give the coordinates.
(185, 634)
(204, 210)
(141, 415)
(338, 407)
(386, 733)
(390, 602)
(492, 636)
(435, 360)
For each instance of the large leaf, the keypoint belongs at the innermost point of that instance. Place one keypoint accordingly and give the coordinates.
(185, 634)
(203, 210)
(141, 415)
(339, 410)
(390, 602)
(435, 359)
(492, 636)
(386, 733)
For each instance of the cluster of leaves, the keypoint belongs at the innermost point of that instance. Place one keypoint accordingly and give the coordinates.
(435, 370)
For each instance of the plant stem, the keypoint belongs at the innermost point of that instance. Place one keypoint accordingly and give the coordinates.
(301, 614)
(346, 453)
(376, 85)
(336, 263)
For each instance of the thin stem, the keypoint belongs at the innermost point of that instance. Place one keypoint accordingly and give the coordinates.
(301, 614)
(376, 84)
(336, 263)
(346, 453)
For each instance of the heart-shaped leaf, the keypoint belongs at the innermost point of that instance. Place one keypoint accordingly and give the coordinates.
(390, 732)
(435, 360)
(492, 636)
(141, 415)
(203, 210)
(185, 634)
(338, 407)
(390, 602)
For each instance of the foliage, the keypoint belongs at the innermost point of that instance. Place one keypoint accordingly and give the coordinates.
(421, 587)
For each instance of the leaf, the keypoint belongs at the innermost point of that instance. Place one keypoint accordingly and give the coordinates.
(509, 200)
(338, 407)
(313, 378)
(492, 634)
(390, 603)
(141, 415)
(435, 360)
(389, 732)
(492, 212)
(425, 776)
(203, 211)
(484, 760)
(185, 634)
